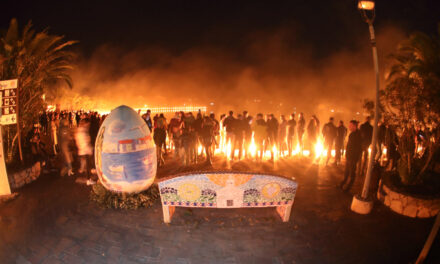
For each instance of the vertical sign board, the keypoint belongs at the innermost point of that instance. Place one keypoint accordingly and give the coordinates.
(8, 98)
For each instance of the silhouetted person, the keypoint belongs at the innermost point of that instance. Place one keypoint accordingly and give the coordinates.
(207, 137)
(341, 133)
(83, 144)
(291, 126)
(312, 135)
(65, 137)
(260, 135)
(391, 143)
(329, 132)
(160, 136)
(382, 129)
(216, 132)
(272, 133)
(148, 121)
(353, 154)
(301, 130)
(247, 132)
(228, 124)
(367, 134)
(239, 128)
(175, 131)
(44, 122)
(282, 135)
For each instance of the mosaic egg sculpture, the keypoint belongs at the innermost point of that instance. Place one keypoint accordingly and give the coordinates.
(125, 152)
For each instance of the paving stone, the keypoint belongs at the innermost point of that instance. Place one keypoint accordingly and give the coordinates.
(114, 252)
(94, 235)
(148, 250)
(91, 256)
(22, 260)
(52, 260)
(73, 259)
(62, 245)
(73, 249)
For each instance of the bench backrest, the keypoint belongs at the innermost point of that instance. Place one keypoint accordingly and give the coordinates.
(227, 190)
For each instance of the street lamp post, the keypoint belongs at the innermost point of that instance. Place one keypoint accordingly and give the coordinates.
(363, 204)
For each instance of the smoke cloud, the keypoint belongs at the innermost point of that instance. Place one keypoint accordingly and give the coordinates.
(269, 72)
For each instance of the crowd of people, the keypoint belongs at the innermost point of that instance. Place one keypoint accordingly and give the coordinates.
(72, 136)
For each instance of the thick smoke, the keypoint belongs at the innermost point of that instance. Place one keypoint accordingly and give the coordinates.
(264, 72)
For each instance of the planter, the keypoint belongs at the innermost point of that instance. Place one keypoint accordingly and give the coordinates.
(407, 204)
(19, 178)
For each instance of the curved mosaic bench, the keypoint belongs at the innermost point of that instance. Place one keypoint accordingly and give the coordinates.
(408, 205)
(227, 190)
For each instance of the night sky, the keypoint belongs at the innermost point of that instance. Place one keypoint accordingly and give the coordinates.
(276, 53)
(179, 25)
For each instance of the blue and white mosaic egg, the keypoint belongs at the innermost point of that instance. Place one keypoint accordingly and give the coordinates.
(125, 154)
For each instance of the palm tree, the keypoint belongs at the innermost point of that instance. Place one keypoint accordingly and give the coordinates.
(39, 61)
(412, 96)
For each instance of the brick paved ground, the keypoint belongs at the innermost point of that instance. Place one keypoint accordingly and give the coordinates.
(53, 221)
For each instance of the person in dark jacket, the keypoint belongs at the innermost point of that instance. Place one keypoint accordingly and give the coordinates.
(353, 154)
(148, 121)
(382, 129)
(259, 127)
(312, 135)
(341, 133)
(329, 132)
(247, 133)
(367, 135)
(43, 122)
(301, 130)
(228, 124)
(160, 136)
(272, 133)
(175, 131)
(391, 143)
(291, 126)
(282, 135)
(216, 132)
(239, 132)
(207, 137)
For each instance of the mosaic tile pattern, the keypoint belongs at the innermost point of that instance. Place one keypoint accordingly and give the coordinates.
(227, 190)
(125, 153)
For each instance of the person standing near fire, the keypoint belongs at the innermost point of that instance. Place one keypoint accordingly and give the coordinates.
(65, 138)
(207, 137)
(291, 126)
(341, 133)
(160, 136)
(216, 132)
(312, 136)
(83, 144)
(174, 132)
(366, 130)
(353, 155)
(272, 131)
(247, 133)
(228, 124)
(329, 133)
(259, 128)
(148, 121)
(301, 130)
(282, 133)
(239, 128)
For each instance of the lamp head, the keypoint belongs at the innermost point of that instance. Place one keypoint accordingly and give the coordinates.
(366, 7)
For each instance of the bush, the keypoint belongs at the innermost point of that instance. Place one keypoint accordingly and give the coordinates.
(108, 199)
